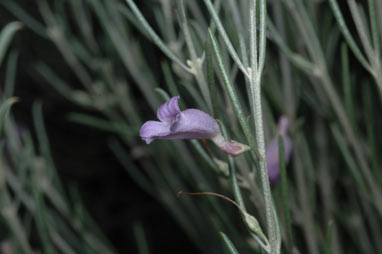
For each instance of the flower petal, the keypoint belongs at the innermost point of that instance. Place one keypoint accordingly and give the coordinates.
(151, 130)
(193, 123)
(169, 110)
(273, 157)
(283, 125)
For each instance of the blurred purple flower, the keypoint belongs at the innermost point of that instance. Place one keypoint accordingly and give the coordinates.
(187, 124)
(272, 150)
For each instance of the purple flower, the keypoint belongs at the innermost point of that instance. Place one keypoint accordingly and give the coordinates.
(272, 150)
(187, 124)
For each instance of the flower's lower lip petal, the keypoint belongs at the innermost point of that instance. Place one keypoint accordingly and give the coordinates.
(153, 129)
(273, 173)
(273, 159)
(272, 150)
(185, 135)
(195, 123)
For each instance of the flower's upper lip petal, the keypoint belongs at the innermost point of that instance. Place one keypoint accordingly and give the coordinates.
(169, 110)
(154, 129)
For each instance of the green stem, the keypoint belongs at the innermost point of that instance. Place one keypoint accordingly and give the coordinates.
(255, 78)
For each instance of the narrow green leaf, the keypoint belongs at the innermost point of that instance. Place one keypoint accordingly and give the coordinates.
(262, 35)
(360, 21)
(170, 82)
(374, 26)
(155, 38)
(223, 33)
(22, 15)
(44, 149)
(346, 83)
(4, 110)
(371, 130)
(328, 238)
(59, 84)
(232, 168)
(40, 215)
(95, 239)
(298, 60)
(6, 35)
(196, 96)
(348, 37)
(248, 219)
(133, 20)
(130, 167)
(228, 244)
(205, 156)
(10, 74)
(349, 159)
(195, 62)
(102, 124)
(285, 194)
(231, 91)
(140, 238)
(15, 225)
(162, 93)
(211, 79)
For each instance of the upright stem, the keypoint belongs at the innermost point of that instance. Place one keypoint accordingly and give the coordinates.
(255, 77)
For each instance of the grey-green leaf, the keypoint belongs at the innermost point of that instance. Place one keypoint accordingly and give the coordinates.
(6, 35)
(4, 110)
(228, 244)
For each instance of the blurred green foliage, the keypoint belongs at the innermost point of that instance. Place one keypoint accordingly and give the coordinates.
(120, 60)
